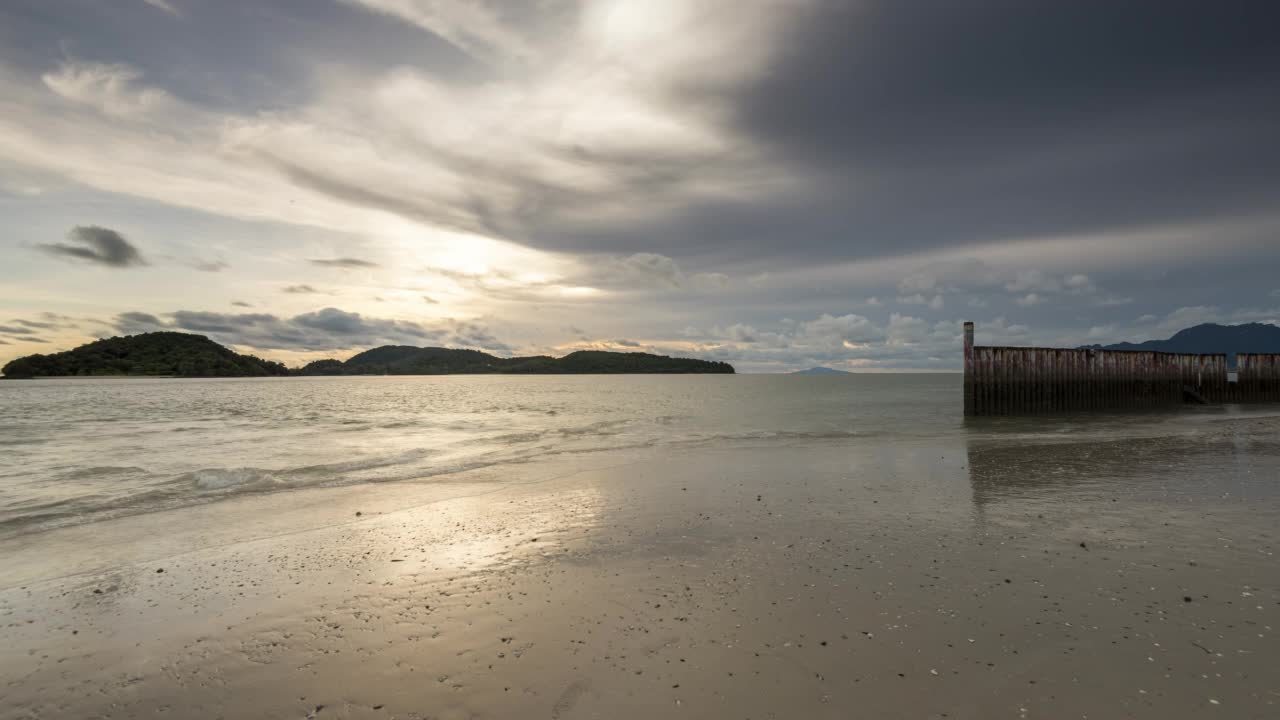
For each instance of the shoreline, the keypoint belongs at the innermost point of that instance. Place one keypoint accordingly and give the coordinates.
(713, 582)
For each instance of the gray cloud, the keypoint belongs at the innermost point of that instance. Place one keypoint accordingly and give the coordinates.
(95, 244)
(131, 323)
(648, 271)
(328, 329)
(1066, 167)
(37, 325)
(14, 330)
(240, 303)
(919, 126)
(209, 265)
(344, 262)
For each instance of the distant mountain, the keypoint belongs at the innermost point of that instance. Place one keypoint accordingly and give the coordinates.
(1211, 338)
(157, 353)
(407, 360)
(820, 371)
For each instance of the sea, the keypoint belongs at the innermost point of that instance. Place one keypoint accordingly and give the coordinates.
(77, 451)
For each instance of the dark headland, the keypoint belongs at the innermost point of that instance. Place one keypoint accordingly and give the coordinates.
(162, 354)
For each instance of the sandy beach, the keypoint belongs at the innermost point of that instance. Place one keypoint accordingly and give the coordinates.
(905, 580)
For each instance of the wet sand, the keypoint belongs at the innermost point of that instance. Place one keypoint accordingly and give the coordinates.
(903, 580)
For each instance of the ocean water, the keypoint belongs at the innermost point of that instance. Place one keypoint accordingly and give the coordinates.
(80, 451)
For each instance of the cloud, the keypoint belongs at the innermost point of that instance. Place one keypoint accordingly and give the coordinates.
(100, 245)
(344, 262)
(208, 265)
(473, 27)
(934, 303)
(327, 329)
(131, 323)
(163, 5)
(627, 343)
(110, 89)
(300, 290)
(14, 330)
(241, 303)
(950, 276)
(669, 164)
(647, 271)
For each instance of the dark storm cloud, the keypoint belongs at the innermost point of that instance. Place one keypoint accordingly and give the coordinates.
(322, 330)
(930, 124)
(95, 244)
(344, 262)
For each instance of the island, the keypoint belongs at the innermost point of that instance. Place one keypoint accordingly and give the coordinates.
(820, 370)
(172, 354)
(408, 360)
(175, 354)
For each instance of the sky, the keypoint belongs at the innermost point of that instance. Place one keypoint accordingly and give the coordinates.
(774, 183)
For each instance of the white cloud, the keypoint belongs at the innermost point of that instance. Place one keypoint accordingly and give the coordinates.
(474, 27)
(112, 89)
(934, 303)
(905, 330)
(587, 130)
(1029, 300)
(163, 5)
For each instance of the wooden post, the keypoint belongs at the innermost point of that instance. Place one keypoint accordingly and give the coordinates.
(968, 368)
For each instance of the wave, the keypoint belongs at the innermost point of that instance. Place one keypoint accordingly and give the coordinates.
(221, 479)
(116, 491)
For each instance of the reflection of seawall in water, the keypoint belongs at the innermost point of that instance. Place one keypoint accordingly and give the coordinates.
(1238, 459)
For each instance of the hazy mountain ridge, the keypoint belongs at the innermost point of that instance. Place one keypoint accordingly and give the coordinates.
(1211, 338)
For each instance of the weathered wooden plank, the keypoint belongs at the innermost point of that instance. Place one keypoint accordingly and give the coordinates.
(1025, 381)
(968, 369)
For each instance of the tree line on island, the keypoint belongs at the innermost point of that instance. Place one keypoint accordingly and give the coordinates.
(174, 354)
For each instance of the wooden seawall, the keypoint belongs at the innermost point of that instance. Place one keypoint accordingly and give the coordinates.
(1029, 381)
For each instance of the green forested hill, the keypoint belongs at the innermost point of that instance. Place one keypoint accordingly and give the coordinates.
(186, 355)
(157, 353)
(405, 360)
